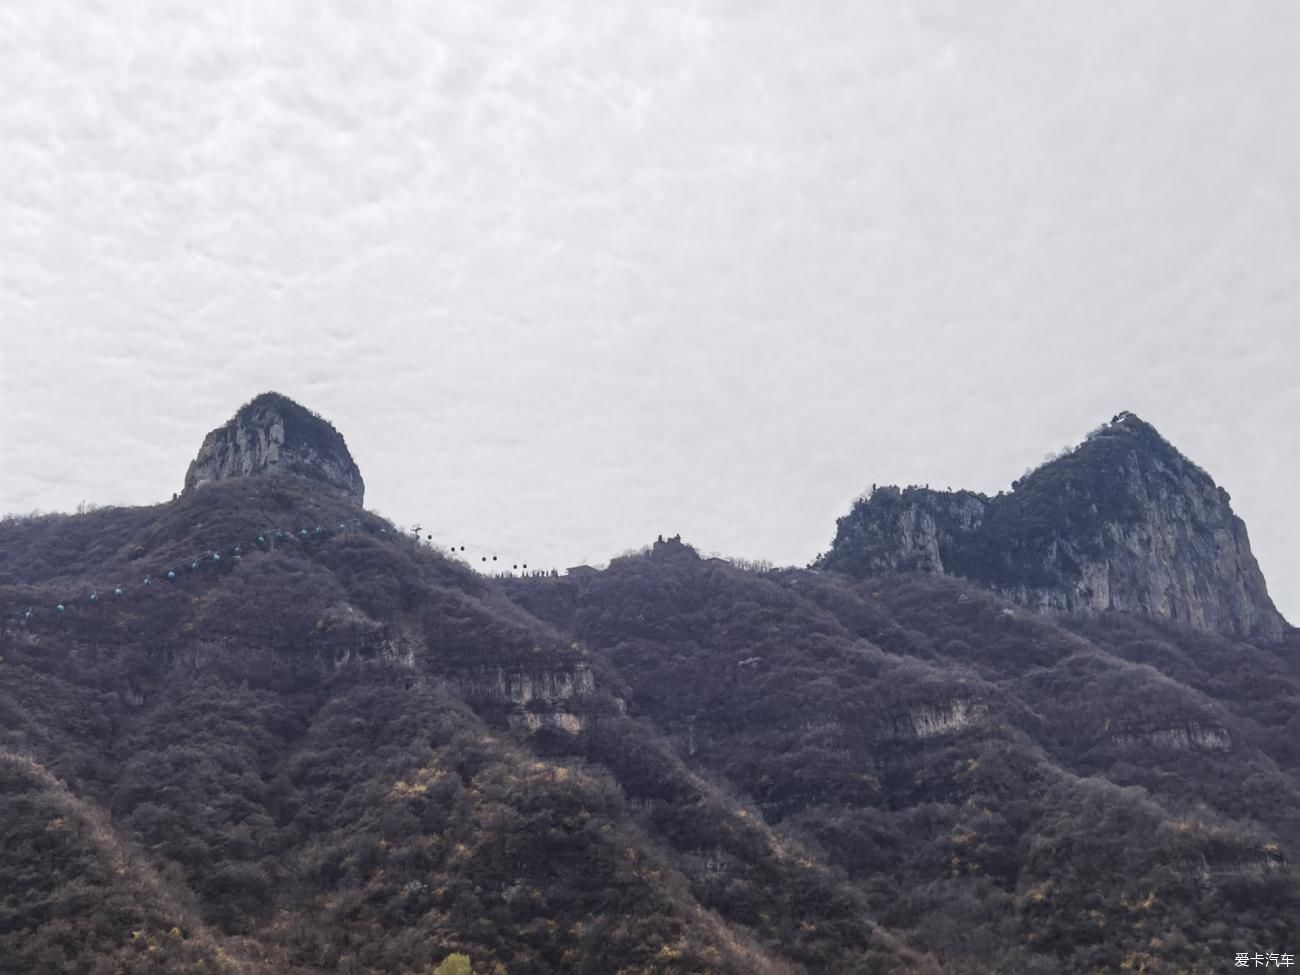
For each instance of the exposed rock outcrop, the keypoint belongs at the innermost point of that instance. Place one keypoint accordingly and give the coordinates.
(932, 720)
(1223, 861)
(910, 531)
(272, 435)
(1122, 522)
(1181, 736)
(344, 636)
(531, 697)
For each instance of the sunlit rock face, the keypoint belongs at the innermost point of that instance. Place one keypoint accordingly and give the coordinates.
(1122, 522)
(543, 696)
(932, 720)
(273, 435)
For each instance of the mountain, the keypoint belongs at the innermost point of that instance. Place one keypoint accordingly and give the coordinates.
(258, 729)
(1122, 522)
(272, 435)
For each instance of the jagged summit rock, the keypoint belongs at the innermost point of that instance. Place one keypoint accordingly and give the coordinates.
(272, 435)
(1123, 521)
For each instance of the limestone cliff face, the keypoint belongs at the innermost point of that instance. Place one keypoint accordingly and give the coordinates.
(1122, 522)
(545, 695)
(1182, 736)
(907, 531)
(273, 435)
(932, 720)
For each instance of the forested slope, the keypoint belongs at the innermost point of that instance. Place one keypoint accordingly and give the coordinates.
(1012, 792)
(258, 729)
(345, 752)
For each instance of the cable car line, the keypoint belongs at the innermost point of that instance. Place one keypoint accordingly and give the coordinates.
(266, 541)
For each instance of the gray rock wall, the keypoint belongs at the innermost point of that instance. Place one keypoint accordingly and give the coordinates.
(1124, 522)
(273, 436)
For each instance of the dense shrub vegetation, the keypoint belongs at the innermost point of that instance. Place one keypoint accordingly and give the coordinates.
(1010, 792)
(346, 753)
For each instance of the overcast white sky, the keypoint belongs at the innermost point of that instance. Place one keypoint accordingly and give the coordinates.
(568, 275)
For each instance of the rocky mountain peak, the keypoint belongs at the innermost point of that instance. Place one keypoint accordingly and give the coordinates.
(1122, 521)
(272, 435)
(1128, 439)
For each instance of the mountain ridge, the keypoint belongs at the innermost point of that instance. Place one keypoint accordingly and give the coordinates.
(324, 745)
(1121, 522)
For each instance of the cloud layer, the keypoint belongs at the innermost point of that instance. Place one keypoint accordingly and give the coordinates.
(568, 275)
